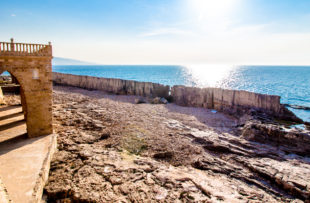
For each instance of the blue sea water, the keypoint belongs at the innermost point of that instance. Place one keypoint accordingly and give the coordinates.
(292, 83)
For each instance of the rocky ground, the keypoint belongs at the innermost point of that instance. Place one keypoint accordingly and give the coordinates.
(113, 150)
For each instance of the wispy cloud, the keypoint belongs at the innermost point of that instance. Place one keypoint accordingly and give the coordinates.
(13, 15)
(167, 31)
(249, 29)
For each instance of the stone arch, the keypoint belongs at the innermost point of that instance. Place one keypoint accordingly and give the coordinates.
(21, 92)
(31, 64)
(35, 78)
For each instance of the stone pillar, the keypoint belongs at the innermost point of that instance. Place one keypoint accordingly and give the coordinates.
(39, 100)
(39, 114)
(12, 45)
(23, 102)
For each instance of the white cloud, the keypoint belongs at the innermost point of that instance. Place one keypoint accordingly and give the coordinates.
(13, 15)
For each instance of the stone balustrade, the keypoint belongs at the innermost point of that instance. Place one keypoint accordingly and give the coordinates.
(25, 49)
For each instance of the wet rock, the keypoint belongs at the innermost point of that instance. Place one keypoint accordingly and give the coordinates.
(297, 107)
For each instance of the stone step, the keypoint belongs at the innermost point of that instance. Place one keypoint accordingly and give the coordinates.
(16, 131)
(8, 110)
(12, 123)
(17, 120)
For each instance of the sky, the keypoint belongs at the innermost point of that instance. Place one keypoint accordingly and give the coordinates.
(179, 32)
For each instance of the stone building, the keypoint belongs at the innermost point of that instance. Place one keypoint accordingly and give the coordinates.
(31, 66)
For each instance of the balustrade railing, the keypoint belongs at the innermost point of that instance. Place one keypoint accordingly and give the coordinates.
(24, 49)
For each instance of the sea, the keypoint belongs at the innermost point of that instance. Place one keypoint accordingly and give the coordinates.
(292, 83)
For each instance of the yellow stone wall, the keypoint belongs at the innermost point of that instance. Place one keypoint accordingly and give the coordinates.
(1, 97)
(34, 74)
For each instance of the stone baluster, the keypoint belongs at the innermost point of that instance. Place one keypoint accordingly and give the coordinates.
(25, 49)
(12, 45)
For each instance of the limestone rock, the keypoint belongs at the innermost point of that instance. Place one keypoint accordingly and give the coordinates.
(163, 100)
(293, 141)
(189, 154)
(158, 100)
(140, 101)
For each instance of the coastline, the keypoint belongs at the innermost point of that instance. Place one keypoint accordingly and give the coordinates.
(111, 149)
(224, 100)
(289, 82)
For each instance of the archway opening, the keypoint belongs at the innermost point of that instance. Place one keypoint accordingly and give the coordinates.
(12, 108)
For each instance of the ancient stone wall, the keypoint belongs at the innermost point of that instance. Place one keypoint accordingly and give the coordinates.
(115, 86)
(229, 101)
(223, 99)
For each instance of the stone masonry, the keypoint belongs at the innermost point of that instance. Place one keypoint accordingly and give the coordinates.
(224, 100)
(31, 65)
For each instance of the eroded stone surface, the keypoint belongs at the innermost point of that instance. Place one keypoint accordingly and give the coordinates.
(111, 149)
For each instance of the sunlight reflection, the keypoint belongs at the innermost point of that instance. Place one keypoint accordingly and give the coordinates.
(209, 75)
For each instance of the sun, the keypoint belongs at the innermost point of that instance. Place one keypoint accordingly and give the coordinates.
(211, 9)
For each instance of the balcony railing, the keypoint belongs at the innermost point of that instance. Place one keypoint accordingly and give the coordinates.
(24, 49)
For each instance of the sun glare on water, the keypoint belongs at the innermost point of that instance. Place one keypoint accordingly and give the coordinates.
(209, 75)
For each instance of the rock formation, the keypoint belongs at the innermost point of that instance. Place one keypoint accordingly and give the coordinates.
(113, 150)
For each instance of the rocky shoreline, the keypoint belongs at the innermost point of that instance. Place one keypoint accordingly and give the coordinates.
(113, 150)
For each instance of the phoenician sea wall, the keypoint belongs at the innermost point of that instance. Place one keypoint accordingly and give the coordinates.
(229, 101)
(111, 85)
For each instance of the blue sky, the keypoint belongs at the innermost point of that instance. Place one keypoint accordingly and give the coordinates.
(164, 31)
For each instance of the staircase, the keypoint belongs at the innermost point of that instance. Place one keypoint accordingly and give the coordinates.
(24, 163)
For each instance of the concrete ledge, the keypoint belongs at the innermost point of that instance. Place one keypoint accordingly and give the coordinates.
(4, 197)
(43, 175)
(24, 167)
